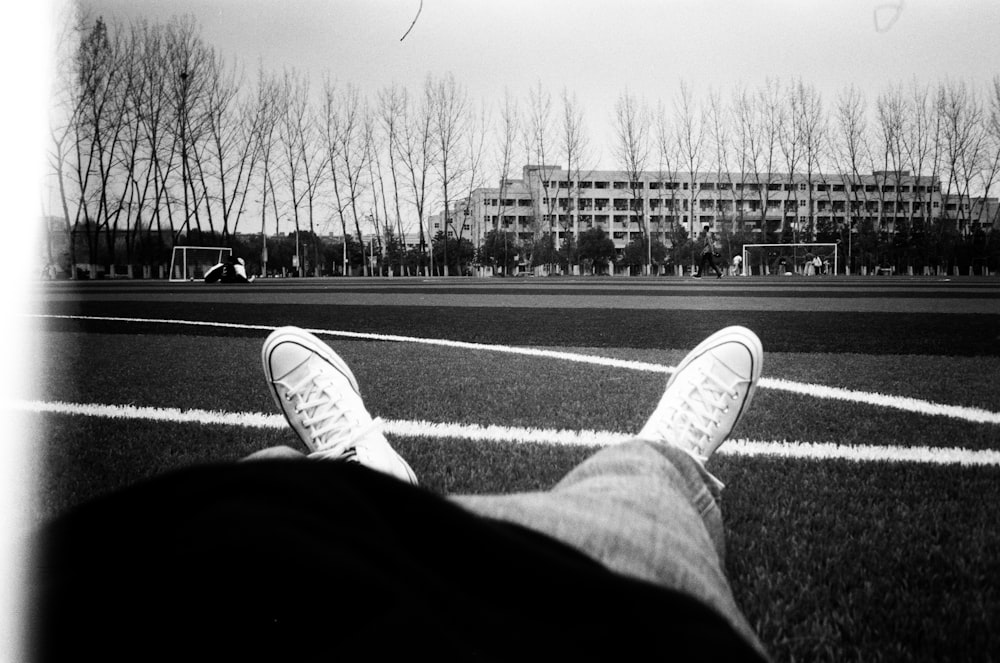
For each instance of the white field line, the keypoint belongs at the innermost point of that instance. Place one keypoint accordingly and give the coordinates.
(906, 404)
(592, 438)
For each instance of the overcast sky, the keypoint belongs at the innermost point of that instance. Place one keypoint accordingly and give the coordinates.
(597, 49)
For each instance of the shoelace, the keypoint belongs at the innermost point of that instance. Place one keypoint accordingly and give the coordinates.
(334, 432)
(697, 415)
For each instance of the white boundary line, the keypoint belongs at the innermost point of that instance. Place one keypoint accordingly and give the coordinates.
(906, 404)
(590, 438)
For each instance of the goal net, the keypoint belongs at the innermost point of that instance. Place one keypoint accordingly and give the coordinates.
(787, 259)
(189, 263)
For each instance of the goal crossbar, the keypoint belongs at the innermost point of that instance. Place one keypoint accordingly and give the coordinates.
(798, 248)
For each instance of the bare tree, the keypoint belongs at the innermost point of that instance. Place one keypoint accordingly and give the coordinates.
(392, 115)
(347, 151)
(632, 126)
(993, 154)
(719, 126)
(232, 144)
(97, 124)
(373, 141)
(790, 141)
(479, 122)
(187, 81)
(576, 148)
(813, 135)
(964, 135)
(538, 145)
(769, 118)
(417, 153)
(267, 109)
(746, 143)
(154, 117)
(851, 129)
(450, 127)
(505, 141)
(66, 123)
(690, 134)
(668, 177)
(918, 144)
(312, 158)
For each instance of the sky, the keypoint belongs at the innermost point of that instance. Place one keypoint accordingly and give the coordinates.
(599, 49)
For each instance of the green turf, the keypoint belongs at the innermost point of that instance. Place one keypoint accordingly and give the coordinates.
(972, 334)
(831, 560)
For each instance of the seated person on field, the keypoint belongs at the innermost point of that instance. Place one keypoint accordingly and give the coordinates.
(345, 557)
(230, 270)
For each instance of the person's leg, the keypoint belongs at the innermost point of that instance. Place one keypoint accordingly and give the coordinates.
(648, 508)
(320, 398)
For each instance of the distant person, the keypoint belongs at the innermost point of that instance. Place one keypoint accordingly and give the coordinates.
(283, 559)
(230, 270)
(708, 256)
(737, 265)
(817, 265)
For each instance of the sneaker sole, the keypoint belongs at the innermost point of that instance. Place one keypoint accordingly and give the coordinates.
(735, 334)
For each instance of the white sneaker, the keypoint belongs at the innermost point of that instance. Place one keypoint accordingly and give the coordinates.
(708, 393)
(319, 397)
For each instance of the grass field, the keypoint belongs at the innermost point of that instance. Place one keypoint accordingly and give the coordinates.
(861, 486)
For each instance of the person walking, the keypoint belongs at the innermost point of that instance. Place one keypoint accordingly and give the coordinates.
(708, 256)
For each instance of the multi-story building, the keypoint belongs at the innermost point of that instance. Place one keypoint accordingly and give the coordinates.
(549, 199)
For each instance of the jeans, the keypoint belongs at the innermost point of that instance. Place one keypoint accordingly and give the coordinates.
(643, 509)
(707, 258)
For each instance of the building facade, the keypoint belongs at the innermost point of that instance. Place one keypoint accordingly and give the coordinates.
(549, 199)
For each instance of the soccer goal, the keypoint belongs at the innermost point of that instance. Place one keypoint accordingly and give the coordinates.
(188, 263)
(764, 259)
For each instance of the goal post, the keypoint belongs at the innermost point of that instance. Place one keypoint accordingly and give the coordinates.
(189, 263)
(798, 258)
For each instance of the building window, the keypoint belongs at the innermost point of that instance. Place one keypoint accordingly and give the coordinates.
(802, 203)
(802, 186)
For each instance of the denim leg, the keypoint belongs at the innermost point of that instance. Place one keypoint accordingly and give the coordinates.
(643, 509)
